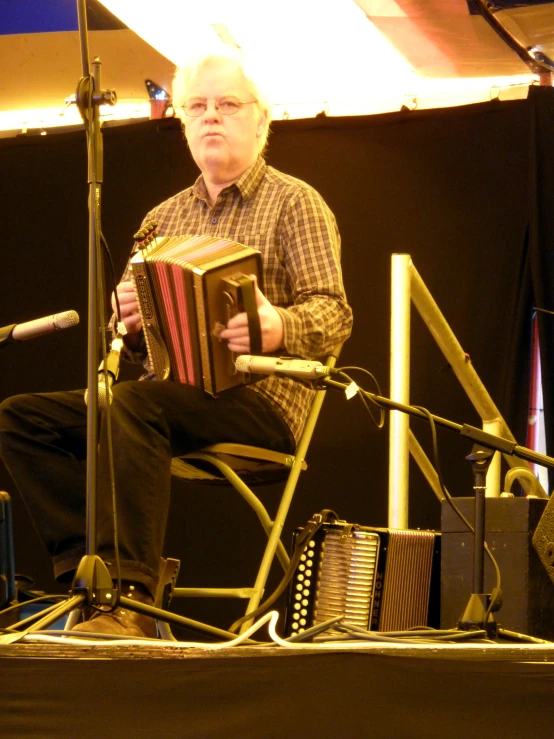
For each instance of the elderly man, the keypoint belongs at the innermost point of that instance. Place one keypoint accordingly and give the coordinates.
(303, 312)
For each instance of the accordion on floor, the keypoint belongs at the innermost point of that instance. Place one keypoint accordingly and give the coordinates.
(377, 579)
(188, 287)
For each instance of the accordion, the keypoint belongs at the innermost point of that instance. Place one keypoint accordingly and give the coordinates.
(188, 287)
(377, 579)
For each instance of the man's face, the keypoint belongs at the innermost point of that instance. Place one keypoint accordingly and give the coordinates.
(223, 146)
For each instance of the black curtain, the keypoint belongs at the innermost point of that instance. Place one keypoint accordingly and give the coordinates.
(454, 188)
(533, 287)
(541, 240)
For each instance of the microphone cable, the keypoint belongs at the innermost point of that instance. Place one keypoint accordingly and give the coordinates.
(107, 419)
(496, 593)
(380, 422)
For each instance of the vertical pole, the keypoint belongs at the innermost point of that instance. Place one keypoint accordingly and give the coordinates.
(493, 475)
(399, 455)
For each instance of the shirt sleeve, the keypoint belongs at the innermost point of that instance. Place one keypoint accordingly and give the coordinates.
(319, 318)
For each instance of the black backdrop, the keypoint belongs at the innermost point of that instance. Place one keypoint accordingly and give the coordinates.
(455, 188)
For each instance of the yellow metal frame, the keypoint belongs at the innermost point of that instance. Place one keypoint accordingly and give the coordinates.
(222, 456)
(407, 287)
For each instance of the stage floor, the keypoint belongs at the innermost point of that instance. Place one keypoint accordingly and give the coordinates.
(425, 691)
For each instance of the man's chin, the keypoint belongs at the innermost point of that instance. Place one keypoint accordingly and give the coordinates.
(214, 157)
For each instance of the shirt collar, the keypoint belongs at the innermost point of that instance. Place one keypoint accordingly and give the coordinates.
(247, 184)
(251, 179)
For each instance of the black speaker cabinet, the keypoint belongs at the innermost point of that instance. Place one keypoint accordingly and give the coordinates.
(528, 606)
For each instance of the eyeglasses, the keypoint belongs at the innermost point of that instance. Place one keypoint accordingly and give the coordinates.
(226, 106)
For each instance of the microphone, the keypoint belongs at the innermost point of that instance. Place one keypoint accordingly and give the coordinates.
(31, 329)
(302, 368)
(108, 373)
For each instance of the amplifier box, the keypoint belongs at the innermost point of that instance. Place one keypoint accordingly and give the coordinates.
(528, 593)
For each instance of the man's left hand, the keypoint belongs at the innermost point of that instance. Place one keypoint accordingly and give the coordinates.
(236, 333)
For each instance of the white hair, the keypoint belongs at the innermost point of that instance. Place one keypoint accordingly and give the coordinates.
(185, 74)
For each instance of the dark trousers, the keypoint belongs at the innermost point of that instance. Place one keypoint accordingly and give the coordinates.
(43, 444)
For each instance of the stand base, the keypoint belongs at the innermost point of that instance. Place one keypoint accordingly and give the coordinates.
(528, 594)
(474, 617)
(93, 580)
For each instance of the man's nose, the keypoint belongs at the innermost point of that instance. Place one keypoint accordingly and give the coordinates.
(211, 110)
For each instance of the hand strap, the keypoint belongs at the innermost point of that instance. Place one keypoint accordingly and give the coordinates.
(248, 295)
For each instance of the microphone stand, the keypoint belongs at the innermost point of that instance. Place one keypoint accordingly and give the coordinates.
(92, 579)
(478, 611)
(92, 584)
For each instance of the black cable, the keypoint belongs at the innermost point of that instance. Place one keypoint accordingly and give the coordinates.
(378, 423)
(496, 592)
(107, 410)
(111, 467)
(314, 630)
(109, 439)
(427, 636)
(85, 103)
(108, 254)
(309, 530)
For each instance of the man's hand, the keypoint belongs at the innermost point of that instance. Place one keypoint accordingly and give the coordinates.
(236, 333)
(128, 303)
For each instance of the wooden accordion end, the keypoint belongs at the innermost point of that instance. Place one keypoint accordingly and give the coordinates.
(188, 287)
(377, 579)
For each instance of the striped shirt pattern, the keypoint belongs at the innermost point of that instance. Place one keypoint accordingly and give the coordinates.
(297, 235)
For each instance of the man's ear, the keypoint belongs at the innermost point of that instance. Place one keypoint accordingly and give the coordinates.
(262, 123)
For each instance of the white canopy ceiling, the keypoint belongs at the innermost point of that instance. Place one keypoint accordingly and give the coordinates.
(341, 57)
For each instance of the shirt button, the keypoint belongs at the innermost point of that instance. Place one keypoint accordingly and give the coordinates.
(214, 220)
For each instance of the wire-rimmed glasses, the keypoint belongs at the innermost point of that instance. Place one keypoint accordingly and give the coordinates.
(229, 105)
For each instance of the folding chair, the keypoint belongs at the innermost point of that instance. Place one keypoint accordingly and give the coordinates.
(242, 466)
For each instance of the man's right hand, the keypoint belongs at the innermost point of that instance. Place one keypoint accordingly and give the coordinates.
(128, 303)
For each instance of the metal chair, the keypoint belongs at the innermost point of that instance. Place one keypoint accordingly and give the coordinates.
(243, 466)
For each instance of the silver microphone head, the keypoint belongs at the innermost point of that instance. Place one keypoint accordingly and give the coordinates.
(241, 362)
(105, 396)
(67, 319)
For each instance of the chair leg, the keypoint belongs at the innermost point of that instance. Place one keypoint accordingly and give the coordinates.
(280, 518)
(251, 498)
(273, 542)
(169, 570)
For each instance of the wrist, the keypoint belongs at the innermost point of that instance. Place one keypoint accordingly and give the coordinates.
(132, 341)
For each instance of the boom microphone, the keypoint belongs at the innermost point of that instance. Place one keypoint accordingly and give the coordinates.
(108, 373)
(302, 368)
(31, 329)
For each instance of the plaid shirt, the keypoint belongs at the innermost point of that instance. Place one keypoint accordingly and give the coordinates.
(297, 234)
